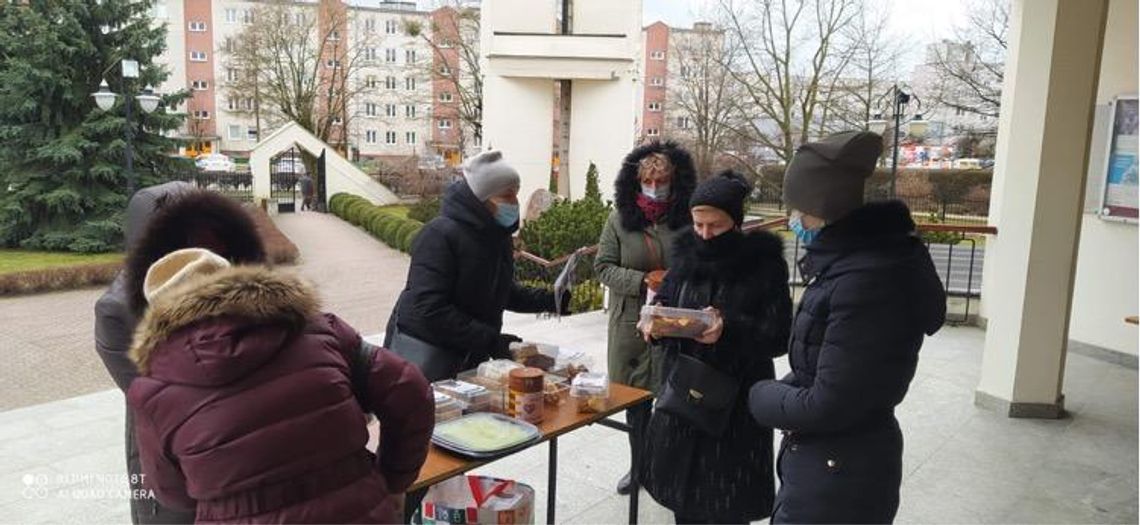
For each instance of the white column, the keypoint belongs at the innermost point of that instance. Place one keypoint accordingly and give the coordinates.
(1042, 153)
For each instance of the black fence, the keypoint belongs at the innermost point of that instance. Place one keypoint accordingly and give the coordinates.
(237, 186)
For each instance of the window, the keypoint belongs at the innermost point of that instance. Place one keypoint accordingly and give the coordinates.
(444, 70)
(657, 55)
(231, 104)
(247, 104)
(370, 25)
(247, 16)
(197, 56)
(686, 71)
(652, 132)
(654, 106)
(410, 84)
(410, 111)
(390, 82)
(410, 56)
(370, 136)
(390, 138)
(657, 81)
(197, 27)
(445, 43)
(372, 82)
(332, 63)
(200, 85)
(390, 110)
(300, 19)
(683, 122)
(391, 26)
(337, 120)
(334, 36)
(251, 134)
(228, 45)
(410, 137)
(231, 74)
(445, 96)
(444, 123)
(370, 109)
(159, 11)
(201, 114)
(235, 132)
(390, 56)
(371, 54)
(231, 16)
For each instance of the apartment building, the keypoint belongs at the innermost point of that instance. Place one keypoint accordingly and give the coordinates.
(664, 65)
(392, 113)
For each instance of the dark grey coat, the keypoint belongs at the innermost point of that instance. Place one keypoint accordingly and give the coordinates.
(159, 220)
(872, 297)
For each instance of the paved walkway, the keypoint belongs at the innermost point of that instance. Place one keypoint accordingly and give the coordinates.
(62, 461)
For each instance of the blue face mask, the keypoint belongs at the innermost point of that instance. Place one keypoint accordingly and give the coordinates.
(660, 194)
(805, 235)
(507, 214)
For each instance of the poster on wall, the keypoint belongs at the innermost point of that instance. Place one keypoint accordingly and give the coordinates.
(1119, 197)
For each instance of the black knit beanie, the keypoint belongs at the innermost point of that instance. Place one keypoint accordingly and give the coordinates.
(726, 191)
(825, 178)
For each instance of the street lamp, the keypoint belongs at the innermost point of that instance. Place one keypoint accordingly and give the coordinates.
(148, 101)
(916, 126)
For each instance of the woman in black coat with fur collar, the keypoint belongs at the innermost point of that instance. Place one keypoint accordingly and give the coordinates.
(725, 478)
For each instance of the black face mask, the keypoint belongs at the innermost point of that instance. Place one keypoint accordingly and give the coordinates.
(722, 245)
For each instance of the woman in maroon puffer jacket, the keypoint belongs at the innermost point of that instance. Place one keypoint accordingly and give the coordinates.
(245, 408)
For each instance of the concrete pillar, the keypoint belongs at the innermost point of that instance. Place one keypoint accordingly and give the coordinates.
(1042, 153)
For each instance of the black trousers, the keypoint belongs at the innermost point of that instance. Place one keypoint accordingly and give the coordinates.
(638, 419)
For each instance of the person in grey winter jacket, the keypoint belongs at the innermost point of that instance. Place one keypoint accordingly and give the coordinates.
(871, 298)
(159, 220)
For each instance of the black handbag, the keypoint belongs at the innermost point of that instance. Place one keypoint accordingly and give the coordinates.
(434, 362)
(698, 393)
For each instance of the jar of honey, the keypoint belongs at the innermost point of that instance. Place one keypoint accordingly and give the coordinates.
(525, 397)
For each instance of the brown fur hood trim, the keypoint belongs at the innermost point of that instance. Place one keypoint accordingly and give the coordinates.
(254, 293)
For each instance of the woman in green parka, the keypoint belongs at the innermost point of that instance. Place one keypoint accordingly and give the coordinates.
(651, 198)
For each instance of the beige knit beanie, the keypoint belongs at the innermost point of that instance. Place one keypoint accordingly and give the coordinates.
(179, 266)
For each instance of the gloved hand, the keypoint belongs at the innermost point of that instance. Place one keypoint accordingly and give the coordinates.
(502, 349)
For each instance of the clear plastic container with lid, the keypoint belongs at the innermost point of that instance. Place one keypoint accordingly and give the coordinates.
(498, 370)
(591, 390)
(664, 321)
(446, 407)
(476, 397)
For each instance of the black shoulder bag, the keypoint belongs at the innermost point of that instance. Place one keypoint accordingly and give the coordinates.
(434, 362)
(697, 393)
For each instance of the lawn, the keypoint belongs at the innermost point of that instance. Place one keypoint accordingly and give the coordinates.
(12, 261)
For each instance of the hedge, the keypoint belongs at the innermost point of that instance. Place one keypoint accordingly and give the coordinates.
(388, 227)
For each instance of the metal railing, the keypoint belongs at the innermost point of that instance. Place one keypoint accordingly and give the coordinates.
(235, 185)
(958, 258)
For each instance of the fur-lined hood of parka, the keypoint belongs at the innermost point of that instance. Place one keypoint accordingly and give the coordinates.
(628, 186)
(191, 219)
(216, 328)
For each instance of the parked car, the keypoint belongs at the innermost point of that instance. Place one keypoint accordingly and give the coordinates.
(988, 164)
(215, 162)
(292, 165)
(967, 164)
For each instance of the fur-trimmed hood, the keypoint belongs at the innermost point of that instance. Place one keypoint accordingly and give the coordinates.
(756, 251)
(628, 186)
(216, 328)
(179, 221)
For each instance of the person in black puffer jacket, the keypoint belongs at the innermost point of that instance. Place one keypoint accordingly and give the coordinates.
(462, 275)
(871, 297)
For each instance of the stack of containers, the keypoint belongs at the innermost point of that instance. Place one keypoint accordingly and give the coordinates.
(476, 398)
(446, 407)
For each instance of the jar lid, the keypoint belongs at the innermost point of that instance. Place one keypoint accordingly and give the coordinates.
(528, 379)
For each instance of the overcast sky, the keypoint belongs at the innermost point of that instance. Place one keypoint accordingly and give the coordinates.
(922, 21)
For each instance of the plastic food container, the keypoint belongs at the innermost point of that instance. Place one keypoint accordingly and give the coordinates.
(664, 321)
(555, 389)
(476, 397)
(446, 407)
(537, 355)
(591, 390)
(484, 435)
(498, 370)
(571, 363)
(496, 391)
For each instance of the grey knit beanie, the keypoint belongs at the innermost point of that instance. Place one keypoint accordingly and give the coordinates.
(825, 179)
(488, 174)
